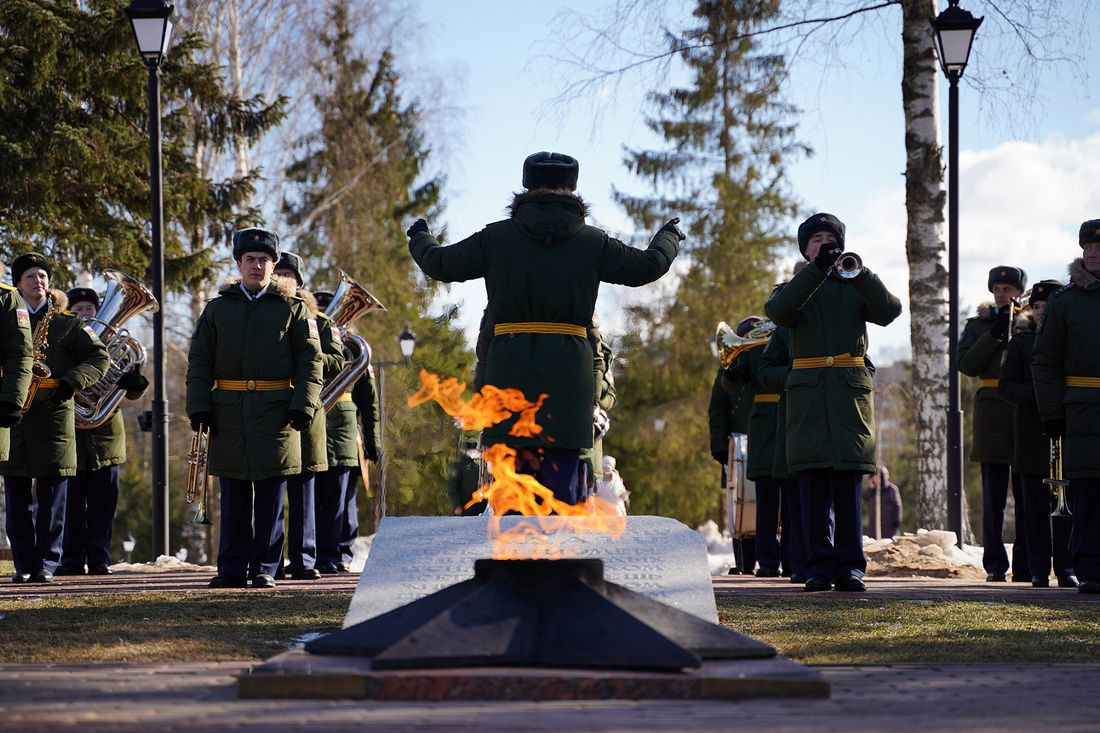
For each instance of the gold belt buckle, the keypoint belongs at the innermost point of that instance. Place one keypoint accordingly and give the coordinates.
(829, 361)
(250, 385)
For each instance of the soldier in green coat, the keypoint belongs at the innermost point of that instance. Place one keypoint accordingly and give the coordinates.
(543, 267)
(100, 452)
(301, 541)
(462, 481)
(15, 378)
(1066, 369)
(830, 398)
(728, 415)
(254, 379)
(1047, 536)
(981, 347)
(43, 444)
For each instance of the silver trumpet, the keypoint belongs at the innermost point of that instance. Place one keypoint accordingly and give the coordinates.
(847, 266)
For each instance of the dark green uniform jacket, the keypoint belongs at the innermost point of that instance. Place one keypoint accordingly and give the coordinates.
(104, 446)
(271, 337)
(15, 354)
(775, 366)
(544, 265)
(44, 441)
(315, 440)
(1067, 346)
(1031, 450)
(343, 422)
(762, 416)
(980, 356)
(462, 482)
(728, 414)
(830, 410)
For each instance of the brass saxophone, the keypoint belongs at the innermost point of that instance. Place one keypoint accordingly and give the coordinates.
(350, 301)
(39, 370)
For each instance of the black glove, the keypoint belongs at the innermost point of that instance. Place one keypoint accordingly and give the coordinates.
(370, 452)
(720, 457)
(10, 414)
(417, 226)
(670, 226)
(827, 256)
(999, 329)
(738, 370)
(299, 420)
(63, 392)
(204, 418)
(133, 381)
(1054, 429)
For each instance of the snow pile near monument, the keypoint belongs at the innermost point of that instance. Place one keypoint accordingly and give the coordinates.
(720, 555)
(928, 553)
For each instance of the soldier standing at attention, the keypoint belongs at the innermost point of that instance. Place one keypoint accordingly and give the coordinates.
(93, 491)
(43, 444)
(543, 267)
(980, 348)
(830, 398)
(15, 378)
(1066, 368)
(728, 415)
(254, 379)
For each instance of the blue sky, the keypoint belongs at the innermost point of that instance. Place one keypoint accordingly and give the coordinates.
(1025, 173)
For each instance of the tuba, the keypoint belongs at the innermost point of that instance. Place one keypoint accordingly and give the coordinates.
(125, 298)
(350, 301)
(731, 346)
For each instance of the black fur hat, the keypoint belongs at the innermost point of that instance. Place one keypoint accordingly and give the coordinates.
(1007, 275)
(83, 295)
(24, 262)
(254, 239)
(1042, 290)
(820, 222)
(323, 298)
(292, 262)
(550, 170)
(1089, 232)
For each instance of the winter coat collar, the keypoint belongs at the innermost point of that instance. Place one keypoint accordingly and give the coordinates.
(1081, 277)
(987, 311)
(285, 287)
(550, 215)
(54, 299)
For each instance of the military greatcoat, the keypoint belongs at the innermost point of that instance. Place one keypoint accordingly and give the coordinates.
(980, 356)
(15, 354)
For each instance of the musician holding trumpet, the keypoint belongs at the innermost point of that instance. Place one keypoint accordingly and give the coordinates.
(1066, 369)
(68, 357)
(830, 398)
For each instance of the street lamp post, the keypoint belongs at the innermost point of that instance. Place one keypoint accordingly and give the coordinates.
(407, 342)
(152, 25)
(953, 33)
(658, 427)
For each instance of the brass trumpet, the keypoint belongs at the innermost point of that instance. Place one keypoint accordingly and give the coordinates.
(847, 266)
(1056, 482)
(198, 476)
(731, 346)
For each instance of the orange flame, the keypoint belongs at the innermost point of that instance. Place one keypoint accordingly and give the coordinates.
(511, 492)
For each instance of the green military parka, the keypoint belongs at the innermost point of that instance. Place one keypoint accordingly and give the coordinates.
(105, 445)
(762, 415)
(1031, 449)
(727, 414)
(775, 366)
(315, 440)
(980, 356)
(15, 355)
(343, 424)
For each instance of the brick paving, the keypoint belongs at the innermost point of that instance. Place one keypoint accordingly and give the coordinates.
(164, 581)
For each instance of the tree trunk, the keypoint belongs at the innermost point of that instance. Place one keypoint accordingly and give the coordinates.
(244, 164)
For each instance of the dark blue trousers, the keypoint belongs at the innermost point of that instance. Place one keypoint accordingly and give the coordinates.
(349, 530)
(251, 527)
(89, 517)
(793, 536)
(1083, 495)
(768, 493)
(1047, 536)
(832, 512)
(555, 468)
(35, 529)
(301, 540)
(331, 497)
(995, 483)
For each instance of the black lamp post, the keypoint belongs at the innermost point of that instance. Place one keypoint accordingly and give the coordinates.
(152, 24)
(407, 342)
(953, 32)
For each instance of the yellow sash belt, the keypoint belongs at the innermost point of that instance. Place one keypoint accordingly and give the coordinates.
(251, 385)
(765, 398)
(817, 362)
(1090, 382)
(564, 329)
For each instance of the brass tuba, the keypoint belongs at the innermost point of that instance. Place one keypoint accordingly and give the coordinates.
(731, 346)
(125, 298)
(350, 301)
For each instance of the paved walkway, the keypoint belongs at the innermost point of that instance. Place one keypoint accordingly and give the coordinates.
(200, 697)
(163, 581)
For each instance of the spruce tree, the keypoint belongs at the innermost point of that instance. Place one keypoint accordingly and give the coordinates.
(729, 134)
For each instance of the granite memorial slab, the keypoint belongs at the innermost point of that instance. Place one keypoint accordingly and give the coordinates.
(413, 557)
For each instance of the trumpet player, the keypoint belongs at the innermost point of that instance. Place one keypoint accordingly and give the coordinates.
(1047, 536)
(980, 349)
(93, 492)
(253, 379)
(301, 500)
(1066, 369)
(68, 357)
(830, 398)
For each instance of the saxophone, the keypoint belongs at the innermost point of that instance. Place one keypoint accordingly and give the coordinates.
(39, 370)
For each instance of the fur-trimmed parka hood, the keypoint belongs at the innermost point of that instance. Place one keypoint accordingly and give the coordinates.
(548, 214)
(59, 299)
(309, 300)
(1081, 277)
(986, 310)
(284, 286)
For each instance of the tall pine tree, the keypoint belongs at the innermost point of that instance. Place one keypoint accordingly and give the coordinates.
(729, 135)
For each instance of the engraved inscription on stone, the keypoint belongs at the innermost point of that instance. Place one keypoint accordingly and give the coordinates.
(413, 557)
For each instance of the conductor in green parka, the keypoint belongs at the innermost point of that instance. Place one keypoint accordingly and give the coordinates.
(981, 348)
(1047, 536)
(830, 398)
(542, 268)
(254, 379)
